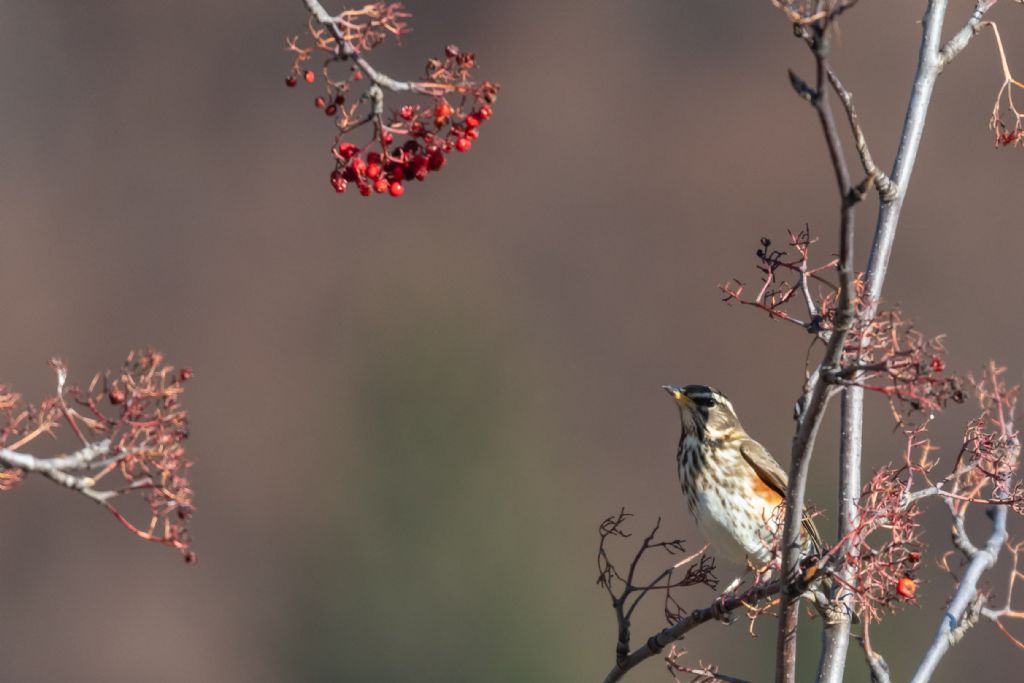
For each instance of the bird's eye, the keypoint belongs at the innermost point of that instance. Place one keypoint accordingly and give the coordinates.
(706, 402)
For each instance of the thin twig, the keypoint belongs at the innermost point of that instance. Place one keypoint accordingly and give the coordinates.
(887, 190)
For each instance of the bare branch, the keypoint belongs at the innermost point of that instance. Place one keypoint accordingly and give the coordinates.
(951, 628)
(626, 591)
(887, 190)
(960, 39)
(819, 390)
(717, 610)
(928, 68)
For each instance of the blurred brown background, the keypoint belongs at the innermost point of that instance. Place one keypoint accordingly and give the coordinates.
(410, 415)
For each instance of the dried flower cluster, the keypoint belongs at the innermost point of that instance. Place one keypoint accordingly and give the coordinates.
(804, 12)
(883, 353)
(885, 546)
(886, 354)
(411, 140)
(1007, 122)
(131, 427)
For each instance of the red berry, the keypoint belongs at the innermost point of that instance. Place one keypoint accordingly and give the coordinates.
(116, 396)
(319, 103)
(463, 144)
(364, 190)
(372, 170)
(185, 374)
(290, 81)
(436, 160)
(485, 112)
(406, 113)
(381, 185)
(472, 133)
(338, 181)
(420, 172)
(358, 165)
(416, 128)
(396, 190)
(906, 587)
(339, 99)
(331, 110)
(938, 365)
(472, 121)
(441, 113)
(347, 150)
(357, 75)
(309, 76)
(386, 137)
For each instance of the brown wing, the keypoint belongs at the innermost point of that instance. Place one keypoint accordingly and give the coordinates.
(775, 478)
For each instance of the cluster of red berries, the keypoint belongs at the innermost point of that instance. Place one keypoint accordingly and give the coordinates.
(425, 152)
(432, 131)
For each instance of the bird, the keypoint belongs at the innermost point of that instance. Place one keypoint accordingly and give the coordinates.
(733, 486)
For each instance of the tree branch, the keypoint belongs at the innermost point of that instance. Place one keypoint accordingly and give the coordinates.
(813, 408)
(887, 190)
(347, 51)
(959, 41)
(715, 611)
(951, 628)
(835, 636)
(835, 644)
(58, 469)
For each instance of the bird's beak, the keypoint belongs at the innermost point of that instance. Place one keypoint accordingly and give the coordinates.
(675, 392)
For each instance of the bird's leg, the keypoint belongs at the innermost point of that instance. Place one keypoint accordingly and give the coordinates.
(761, 574)
(731, 588)
(729, 592)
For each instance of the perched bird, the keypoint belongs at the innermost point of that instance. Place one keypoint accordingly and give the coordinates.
(732, 484)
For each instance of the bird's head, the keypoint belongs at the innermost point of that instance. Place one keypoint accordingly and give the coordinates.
(704, 410)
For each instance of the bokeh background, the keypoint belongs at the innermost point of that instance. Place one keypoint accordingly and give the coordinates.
(409, 416)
